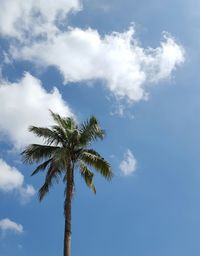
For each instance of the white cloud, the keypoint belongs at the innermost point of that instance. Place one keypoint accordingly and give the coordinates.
(26, 103)
(26, 193)
(117, 58)
(19, 17)
(9, 225)
(129, 164)
(12, 179)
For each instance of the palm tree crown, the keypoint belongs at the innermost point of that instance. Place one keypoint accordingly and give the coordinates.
(63, 143)
(65, 149)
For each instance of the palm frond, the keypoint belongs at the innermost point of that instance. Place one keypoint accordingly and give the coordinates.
(58, 119)
(66, 123)
(90, 131)
(94, 159)
(61, 133)
(70, 123)
(41, 167)
(87, 176)
(52, 175)
(49, 136)
(35, 153)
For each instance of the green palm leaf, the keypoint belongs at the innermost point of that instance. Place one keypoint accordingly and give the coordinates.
(41, 167)
(94, 159)
(90, 131)
(87, 176)
(66, 123)
(35, 153)
(51, 176)
(49, 136)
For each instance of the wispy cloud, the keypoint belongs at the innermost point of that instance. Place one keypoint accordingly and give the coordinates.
(26, 192)
(9, 225)
(129, 164)
(99, 5)
(12, 180)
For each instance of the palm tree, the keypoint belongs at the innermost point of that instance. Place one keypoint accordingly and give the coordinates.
(66, 149)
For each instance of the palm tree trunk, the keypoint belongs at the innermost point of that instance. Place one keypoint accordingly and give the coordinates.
(67, 211)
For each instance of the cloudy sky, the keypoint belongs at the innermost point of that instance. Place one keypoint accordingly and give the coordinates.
(133, 64)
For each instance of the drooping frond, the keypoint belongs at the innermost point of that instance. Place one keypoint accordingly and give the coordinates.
(35, 153)
(87, 176)
(49, 136)
(90, 131)
(41, 167)
(51, 176)
(94, 159)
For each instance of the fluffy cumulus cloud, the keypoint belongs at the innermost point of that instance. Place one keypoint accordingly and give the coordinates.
(26, 103)
(36, 34)
(117, 58)
(129, 164)
(9, 225)
(10, 177)
(13, 180)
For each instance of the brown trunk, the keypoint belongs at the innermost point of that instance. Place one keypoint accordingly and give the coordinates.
(67, 211)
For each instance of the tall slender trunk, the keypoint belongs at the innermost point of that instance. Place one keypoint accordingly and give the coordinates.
(67, 210)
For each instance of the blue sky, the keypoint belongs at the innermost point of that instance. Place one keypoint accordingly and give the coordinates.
(135, 65)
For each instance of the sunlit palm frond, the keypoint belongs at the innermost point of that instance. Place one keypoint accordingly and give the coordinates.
(61, 133)
(90, 131)
(49, 136)
(66, 123)
(94, 159)
(58, 119)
